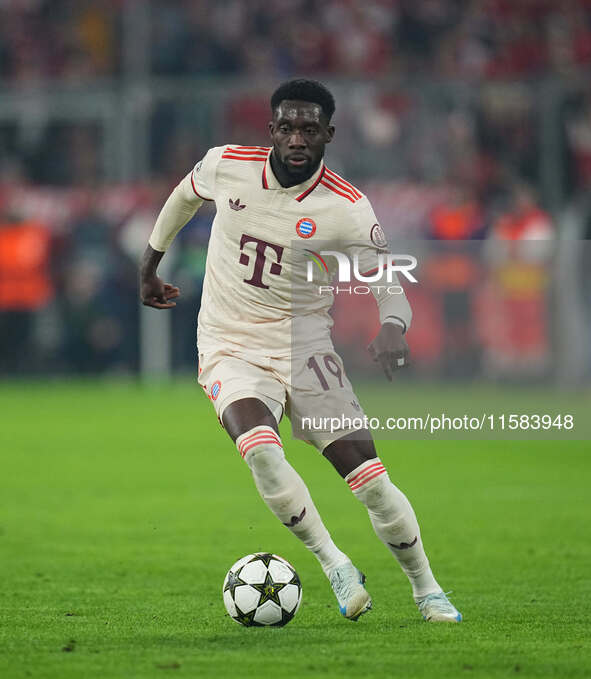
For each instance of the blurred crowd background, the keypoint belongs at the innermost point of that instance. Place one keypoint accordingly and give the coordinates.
(80, 40)
(462, 120)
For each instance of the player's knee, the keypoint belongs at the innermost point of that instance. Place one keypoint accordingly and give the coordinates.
(261, 449)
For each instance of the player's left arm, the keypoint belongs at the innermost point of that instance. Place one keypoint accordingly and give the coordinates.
(389, 347)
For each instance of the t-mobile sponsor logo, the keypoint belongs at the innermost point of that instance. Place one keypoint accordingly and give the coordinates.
(259, 263)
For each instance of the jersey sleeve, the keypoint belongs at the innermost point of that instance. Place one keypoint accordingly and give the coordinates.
(187, 197)
(203, 175)
(366, 237)
(369, 246)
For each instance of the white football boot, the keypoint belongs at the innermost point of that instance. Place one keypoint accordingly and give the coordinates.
(438, 608)
(347, 584)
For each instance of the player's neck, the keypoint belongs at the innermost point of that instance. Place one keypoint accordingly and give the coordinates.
(283, 175)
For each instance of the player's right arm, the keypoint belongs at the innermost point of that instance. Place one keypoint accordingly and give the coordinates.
(154, 291)
(182, 204)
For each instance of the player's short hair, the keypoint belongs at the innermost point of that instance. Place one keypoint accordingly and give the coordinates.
(304, 90)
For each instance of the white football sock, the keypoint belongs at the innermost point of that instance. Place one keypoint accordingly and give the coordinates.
(394, 522)
(286, 495)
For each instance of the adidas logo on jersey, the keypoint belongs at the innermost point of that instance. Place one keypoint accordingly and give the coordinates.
(235, 204)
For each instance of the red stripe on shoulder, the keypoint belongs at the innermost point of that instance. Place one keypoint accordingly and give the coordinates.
(247, 152)
(343, 183)
(342, 188)
(261, 159)
(335, 190)
(257, 148)
(337, 178)
(195, 190)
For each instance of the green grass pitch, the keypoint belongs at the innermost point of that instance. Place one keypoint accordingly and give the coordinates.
(122, 507)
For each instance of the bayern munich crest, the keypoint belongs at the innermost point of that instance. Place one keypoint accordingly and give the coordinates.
(306, 227)
(215, 390)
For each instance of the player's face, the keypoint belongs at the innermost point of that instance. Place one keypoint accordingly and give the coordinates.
(299, 131)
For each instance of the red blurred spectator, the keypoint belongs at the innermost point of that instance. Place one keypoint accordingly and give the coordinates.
(512, 311)
(25, 287)
(460, 218)
(526, 220)
(25, 284)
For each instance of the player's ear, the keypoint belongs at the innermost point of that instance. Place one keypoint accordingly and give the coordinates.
(271, 126)
(329, 133)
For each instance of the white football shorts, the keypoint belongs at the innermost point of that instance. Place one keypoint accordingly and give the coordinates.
(313, 390)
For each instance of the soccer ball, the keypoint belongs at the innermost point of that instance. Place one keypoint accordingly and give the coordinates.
(262, 589)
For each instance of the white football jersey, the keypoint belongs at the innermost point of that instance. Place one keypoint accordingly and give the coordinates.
(262, 239)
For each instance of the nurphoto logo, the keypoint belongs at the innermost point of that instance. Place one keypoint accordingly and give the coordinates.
(386, 272)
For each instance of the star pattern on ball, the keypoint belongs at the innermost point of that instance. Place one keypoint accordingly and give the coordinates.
(269, 590)
(265, 557)
(263, 568)
(285, 618)
(233, 582)
(247, 619)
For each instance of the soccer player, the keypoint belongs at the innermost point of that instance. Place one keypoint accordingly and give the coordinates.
(268, 200)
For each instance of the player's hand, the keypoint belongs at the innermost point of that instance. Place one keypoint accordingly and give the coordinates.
(389, 349)
(156, 293)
